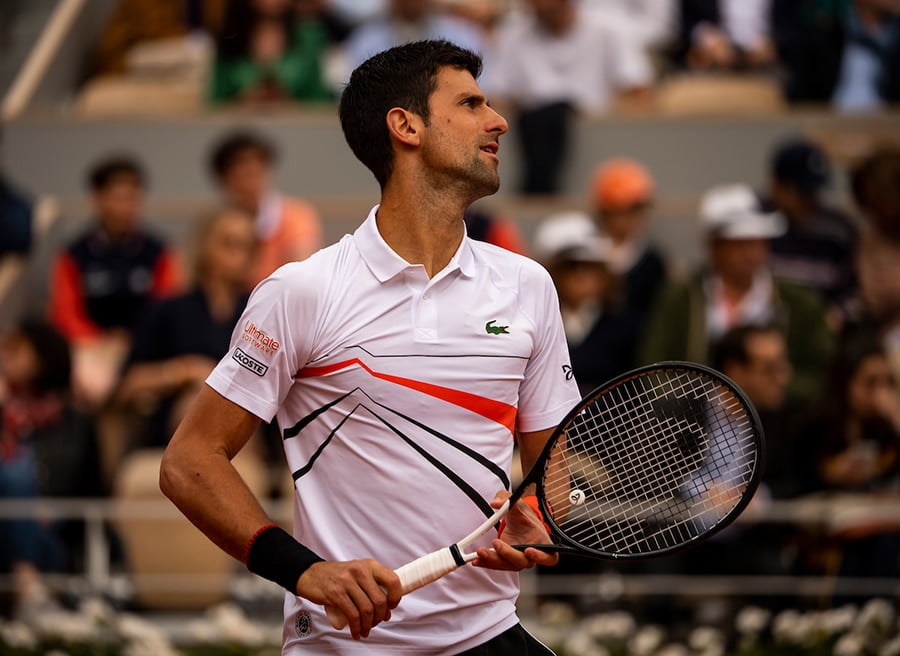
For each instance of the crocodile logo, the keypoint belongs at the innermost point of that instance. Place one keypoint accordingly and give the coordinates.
(491, 329)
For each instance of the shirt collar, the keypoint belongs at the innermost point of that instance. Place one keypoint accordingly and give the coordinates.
(385, 263)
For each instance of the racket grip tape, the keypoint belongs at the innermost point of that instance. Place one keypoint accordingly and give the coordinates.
(413, 576)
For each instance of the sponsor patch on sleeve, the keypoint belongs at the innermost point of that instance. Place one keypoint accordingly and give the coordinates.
(248, 362)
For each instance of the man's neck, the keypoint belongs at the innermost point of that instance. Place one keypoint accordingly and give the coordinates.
(421, 228)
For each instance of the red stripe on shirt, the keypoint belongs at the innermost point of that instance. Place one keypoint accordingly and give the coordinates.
(502, 413)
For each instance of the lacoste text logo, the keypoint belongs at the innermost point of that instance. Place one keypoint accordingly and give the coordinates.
(491, 329)
(248, 362)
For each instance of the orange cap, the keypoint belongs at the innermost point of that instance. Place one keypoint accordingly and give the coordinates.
(620, 183)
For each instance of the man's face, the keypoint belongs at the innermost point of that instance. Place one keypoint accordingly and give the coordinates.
(766, 374)
(118, 205)
(247, 180)
(624, 223)
(737, 261)
(460, 144)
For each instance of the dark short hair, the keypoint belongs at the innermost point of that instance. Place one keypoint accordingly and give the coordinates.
(52, 350)
(732, 346)
(234, 145)
(404, 76)
(115, 169)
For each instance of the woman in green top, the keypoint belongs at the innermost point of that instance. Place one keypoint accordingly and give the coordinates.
(269, 57)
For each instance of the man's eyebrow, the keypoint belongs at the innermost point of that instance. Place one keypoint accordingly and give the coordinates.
(473, 95)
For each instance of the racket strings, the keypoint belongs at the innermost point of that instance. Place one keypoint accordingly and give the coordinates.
(656, 460)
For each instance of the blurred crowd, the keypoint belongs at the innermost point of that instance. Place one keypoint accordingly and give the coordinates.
(797, 298)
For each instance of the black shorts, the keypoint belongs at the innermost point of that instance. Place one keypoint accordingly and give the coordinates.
(512, 642)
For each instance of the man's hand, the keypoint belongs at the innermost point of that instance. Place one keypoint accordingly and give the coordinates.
(523, 526)
(365, 591)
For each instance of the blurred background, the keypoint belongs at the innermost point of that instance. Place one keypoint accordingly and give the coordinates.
(707, 180)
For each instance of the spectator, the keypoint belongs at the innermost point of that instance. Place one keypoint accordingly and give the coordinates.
(653, 21)
(543, 60)
(47, 448)
(843, 53)
(406, 21)
(854, 444)
(727, 35)
(288, 229)
(858, 434)
(818, 248)
(101, 281)
(756, 358)
(182, 338)
(622, 199)
(875, 183)
(737, 287)
(600, 336)
(271, 51)
(15, 219)
(135, 22)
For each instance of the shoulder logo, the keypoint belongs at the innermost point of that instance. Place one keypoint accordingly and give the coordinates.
(248, 362)
(491, 329)
(258, 339)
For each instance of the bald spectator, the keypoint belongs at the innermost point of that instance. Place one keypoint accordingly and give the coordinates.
(622, 196)
(560, 57)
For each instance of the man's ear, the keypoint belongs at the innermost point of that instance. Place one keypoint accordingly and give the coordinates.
(405, 126)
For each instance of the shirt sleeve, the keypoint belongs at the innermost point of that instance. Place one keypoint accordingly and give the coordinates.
(270, 343)
(67, 307)
(548, 391)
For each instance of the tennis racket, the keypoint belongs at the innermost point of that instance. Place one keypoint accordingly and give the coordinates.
(649, 463)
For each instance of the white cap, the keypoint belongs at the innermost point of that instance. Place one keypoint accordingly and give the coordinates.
(732, 212)
(570, 236)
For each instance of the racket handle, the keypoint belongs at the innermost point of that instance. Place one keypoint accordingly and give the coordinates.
(426, 569)
(413, 576)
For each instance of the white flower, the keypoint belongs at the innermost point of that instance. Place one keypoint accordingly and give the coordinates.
(149, 646)
(877, 614)
(18, 635)
(850, 644)
(673, 649)
(646, 640)
(556, 613)
(96, 610)
(203, 631)
(890, 648)
(838, 620)
(610, 626)
(135, 629)
(63, 625)
(233, 626)
(580, 643)
(705, 638)
(752, 619)
(784, 624)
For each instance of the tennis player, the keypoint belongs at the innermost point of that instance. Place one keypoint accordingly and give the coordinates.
(402, 364)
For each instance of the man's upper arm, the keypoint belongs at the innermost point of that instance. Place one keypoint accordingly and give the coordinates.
(530, 447)
(214, 424)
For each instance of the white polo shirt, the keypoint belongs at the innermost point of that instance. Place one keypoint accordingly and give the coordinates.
(398, 397)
